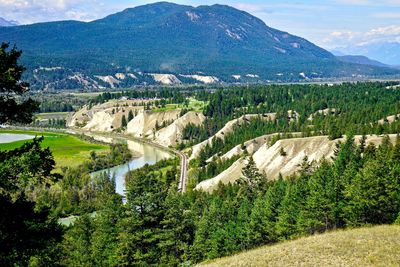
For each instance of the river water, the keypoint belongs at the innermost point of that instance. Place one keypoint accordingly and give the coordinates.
(144, 154)
(11, 137)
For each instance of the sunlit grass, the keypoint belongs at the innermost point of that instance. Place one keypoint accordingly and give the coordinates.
(375, 246)
(68, 150)
(193, 105)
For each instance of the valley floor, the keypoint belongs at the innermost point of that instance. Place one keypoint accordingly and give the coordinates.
(371, 246)
(68, 150)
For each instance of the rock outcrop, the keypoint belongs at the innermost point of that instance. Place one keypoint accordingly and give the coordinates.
(146, 123)
(269, 159)
(228, 128)
(104, 117)
(163, 127)
(172, 134)
(389, 119)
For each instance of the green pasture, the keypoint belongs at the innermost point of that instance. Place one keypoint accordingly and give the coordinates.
(194, 105)
(52, 115)
(68, 150)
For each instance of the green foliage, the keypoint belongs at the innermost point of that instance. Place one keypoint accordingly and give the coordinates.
(10, 84)
(79, 193)
(68, 150)
(252, 180)
(27, 233)
(215, 167)
(130, 115)
(159, 226)
(80, 48)
(357, 109)
(124, 123)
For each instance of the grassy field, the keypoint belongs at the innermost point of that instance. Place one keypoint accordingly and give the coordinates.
(52, 115)
(68, 150)
(375, 246)
(194, 105)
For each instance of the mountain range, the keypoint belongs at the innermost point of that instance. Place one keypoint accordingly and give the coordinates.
(363, 60)
(167, 43)
(7, 23)
(386, 52)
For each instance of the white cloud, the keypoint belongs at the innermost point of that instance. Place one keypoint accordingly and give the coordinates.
(369, 2)
(30, 11)
(389, 33)
(387, 15)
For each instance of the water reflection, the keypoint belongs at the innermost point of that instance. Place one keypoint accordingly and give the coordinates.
(148, 155)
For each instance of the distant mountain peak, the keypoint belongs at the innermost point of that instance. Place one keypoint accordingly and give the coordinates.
(170, 39)
(8, 23)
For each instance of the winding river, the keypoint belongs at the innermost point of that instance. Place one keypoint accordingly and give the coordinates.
(143, 154)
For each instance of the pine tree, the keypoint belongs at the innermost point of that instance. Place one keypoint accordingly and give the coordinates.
(130, 115)
(252, 179)
(264, 215)
(123, 122)
(104, 238)
(146, 193)
(77, 243)
(178, 229)
(396, 149)
(291, 206)
(374, 193)
(11, 85)
(319, 213)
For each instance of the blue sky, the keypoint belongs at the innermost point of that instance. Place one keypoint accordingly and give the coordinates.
(329, 23)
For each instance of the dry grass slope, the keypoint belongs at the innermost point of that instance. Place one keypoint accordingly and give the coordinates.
(374, 246)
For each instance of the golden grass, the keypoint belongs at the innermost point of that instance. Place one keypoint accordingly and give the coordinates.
(371, 246)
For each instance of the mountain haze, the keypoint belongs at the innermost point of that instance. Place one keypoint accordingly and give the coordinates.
(217, 43)
(385, 52)
(7, 23)
(363, 60)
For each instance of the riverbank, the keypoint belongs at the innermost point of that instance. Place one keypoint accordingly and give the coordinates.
(110, 136)
(68, 150)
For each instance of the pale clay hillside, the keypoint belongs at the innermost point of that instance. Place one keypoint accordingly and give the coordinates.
(164, 127)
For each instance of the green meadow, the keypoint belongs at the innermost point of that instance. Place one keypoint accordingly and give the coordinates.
(68, 150)
(193, 105)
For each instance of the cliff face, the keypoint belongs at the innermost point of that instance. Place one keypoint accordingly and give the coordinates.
(164, 128)
(269, 160)
(172, 134)
(228, 128)
(147, 123)
(104, 117)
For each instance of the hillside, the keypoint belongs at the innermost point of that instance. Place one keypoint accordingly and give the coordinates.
(7, 23)
(164, 127)
(271, 162)
(375, 246)
(165, 43)
(387, 52)
(361, 60)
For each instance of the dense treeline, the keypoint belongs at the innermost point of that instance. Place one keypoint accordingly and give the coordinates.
(248, 130)
(310, 109)
(159, 226)
(51, 123)
(355, 107)
(212, 169)
(170, 94)
(28, 232)
(78, 192)
(58, 102)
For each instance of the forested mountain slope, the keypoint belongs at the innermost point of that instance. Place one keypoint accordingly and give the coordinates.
(217, 43)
